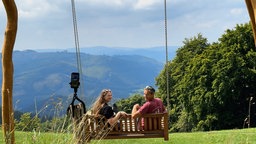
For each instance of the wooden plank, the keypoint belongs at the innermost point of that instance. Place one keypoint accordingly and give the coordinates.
(251, 7)
(166, 135)
(155, 125)
(145, 124)
(125, 125)
(150, 123)
(135, 124)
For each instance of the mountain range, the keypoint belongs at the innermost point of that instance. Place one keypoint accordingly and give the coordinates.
(41, 78)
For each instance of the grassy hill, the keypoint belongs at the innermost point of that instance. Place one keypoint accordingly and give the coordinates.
(236, 136)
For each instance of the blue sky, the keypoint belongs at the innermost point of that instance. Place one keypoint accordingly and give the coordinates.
(47, 24)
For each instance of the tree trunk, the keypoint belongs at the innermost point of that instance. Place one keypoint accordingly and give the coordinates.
(7, 71)
(251, 7)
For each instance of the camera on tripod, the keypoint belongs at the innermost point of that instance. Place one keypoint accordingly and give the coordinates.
(76, 109)
(74, 80)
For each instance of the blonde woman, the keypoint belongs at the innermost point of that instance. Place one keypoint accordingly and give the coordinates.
(101, 107)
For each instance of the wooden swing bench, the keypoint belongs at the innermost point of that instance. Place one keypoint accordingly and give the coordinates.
(155, 126)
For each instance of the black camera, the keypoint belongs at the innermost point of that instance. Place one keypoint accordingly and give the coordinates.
(74, 80)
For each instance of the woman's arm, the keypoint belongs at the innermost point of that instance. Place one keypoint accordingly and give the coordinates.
(113, 120)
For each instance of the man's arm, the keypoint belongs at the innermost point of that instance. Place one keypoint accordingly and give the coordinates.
(135, 112)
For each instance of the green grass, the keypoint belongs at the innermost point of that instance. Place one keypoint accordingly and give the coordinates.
(237, 136)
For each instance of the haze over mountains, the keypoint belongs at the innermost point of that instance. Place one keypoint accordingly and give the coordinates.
(41, 78)
(157, 53)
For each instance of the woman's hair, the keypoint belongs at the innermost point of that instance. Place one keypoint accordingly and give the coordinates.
(98, 104)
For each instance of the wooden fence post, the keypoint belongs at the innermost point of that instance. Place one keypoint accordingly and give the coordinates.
(7, 71)
(251, 7)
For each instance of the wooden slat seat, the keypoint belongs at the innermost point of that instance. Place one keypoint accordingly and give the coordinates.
(155, 126)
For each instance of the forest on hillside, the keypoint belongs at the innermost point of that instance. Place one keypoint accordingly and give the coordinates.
(212, 85)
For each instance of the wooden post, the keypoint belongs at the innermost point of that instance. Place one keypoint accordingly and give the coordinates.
(7, 71)
(251, 7)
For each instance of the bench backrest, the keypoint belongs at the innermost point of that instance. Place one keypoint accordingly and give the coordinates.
(153, 124)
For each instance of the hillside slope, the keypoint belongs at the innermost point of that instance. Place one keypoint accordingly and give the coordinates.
(42, 78)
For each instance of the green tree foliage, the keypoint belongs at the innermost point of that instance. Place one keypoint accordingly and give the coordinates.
(127, 104)
(234, 75)
(210, 84)
(57, 124)
(17, 115)
(28, 123)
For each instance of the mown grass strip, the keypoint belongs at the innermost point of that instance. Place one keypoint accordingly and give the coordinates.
(236, 136)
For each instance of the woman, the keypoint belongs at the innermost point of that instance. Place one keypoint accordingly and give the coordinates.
(101, 107)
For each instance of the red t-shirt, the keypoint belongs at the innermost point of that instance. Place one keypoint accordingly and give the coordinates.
(153, 106)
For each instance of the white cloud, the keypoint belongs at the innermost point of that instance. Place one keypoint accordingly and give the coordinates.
(124, 23)
(108, 3)
(236, 11)
(36, 8)
(135, 4)
(146, 4)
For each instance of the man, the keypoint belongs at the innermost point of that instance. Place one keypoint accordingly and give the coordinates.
(152, 105)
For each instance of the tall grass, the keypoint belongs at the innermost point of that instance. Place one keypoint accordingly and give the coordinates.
(237, 136)
(61, 134)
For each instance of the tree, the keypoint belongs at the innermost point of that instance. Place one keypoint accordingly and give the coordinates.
(7, 70)
(28, 123)
(180, 97)
(210, 84)
(127, 104)
(234, 75)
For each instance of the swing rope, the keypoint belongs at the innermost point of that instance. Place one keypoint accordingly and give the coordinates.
(79, 65)
(166, 54)
(77, 110)
(78, 57)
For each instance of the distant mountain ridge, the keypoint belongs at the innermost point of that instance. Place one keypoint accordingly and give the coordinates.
(41, 79)
(157, 53)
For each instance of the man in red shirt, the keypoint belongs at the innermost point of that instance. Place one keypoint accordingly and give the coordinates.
(152, 105)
